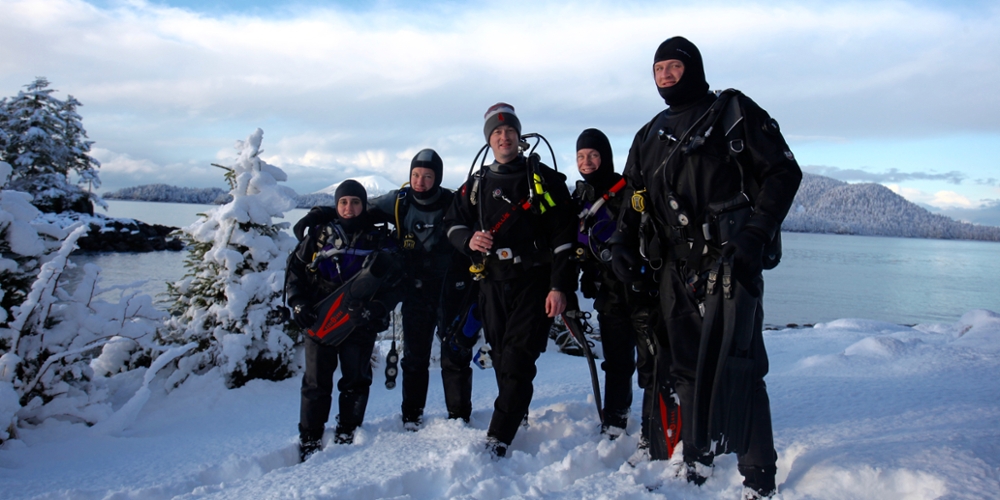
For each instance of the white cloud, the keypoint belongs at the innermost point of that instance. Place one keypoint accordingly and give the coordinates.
(941, 199)
(361, 91)
(951, 199)
(911, 194)
(121, 163)
(173, 57)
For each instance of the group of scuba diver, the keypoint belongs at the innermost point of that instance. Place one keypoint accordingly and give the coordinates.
(671, 250)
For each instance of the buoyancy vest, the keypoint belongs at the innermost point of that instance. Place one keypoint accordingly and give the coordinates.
(597, 221)
(703, 153)
(337, 256)
(419, 221)
(350, 276)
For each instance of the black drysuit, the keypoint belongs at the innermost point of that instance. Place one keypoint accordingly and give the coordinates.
(531, 255)
(751, 158)
(435, 273)
(307, 285)
(627, 318)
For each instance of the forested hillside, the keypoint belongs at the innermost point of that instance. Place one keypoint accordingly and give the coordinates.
(825, 205)
(173, 194)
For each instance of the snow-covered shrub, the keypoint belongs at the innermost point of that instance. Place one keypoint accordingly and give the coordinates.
(48, 336)
(43, 139)
(228, 301)
(119, 354)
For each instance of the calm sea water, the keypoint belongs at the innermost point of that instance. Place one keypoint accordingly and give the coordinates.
(821, 277)
(902, 280)
(171, 214)
(156, 269)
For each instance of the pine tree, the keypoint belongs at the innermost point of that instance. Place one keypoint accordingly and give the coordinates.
(78, 159)
(43, 139)
(229, 299)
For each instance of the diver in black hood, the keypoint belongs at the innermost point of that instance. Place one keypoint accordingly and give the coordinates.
(437, 280)
(335, 245)
(627, 317)
(713, 179)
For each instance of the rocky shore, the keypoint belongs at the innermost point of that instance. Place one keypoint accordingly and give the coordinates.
(122, 235)
(108, 234)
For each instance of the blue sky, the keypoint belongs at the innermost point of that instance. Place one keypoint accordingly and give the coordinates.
(896, 92)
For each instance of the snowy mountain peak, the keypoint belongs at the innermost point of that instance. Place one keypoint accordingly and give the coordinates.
(375, 185)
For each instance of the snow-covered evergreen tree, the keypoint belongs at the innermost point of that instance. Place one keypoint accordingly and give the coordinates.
(43, 139)
(48, 336)
(228, 301)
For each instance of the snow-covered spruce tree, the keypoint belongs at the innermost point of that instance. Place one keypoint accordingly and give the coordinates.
(43, 139)
(48, 336)
(229, 299)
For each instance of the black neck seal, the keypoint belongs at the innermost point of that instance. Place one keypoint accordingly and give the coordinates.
(355, 225)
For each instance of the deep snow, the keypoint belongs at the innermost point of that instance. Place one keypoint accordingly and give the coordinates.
(862, 409)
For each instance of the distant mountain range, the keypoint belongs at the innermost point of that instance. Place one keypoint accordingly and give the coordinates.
(822, 205)
(171, 194)
(375, 186)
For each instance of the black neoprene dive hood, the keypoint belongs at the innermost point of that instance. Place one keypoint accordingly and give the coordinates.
(692, 85)
(595, 139)
(428, 158)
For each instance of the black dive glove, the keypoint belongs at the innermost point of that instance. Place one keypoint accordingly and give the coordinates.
(315, 217)
(588, 281)
(626, 264)
(747, 251)
(304, 315)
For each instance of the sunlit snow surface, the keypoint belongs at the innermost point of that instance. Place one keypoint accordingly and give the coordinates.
(861, 409)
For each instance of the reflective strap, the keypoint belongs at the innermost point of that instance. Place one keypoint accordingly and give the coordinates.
(562, 248)
(456, 226)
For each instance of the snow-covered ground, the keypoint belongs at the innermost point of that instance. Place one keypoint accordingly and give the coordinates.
(861, 409)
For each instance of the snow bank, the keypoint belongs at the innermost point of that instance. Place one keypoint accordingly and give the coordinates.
(891, 412)
(979, 328)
